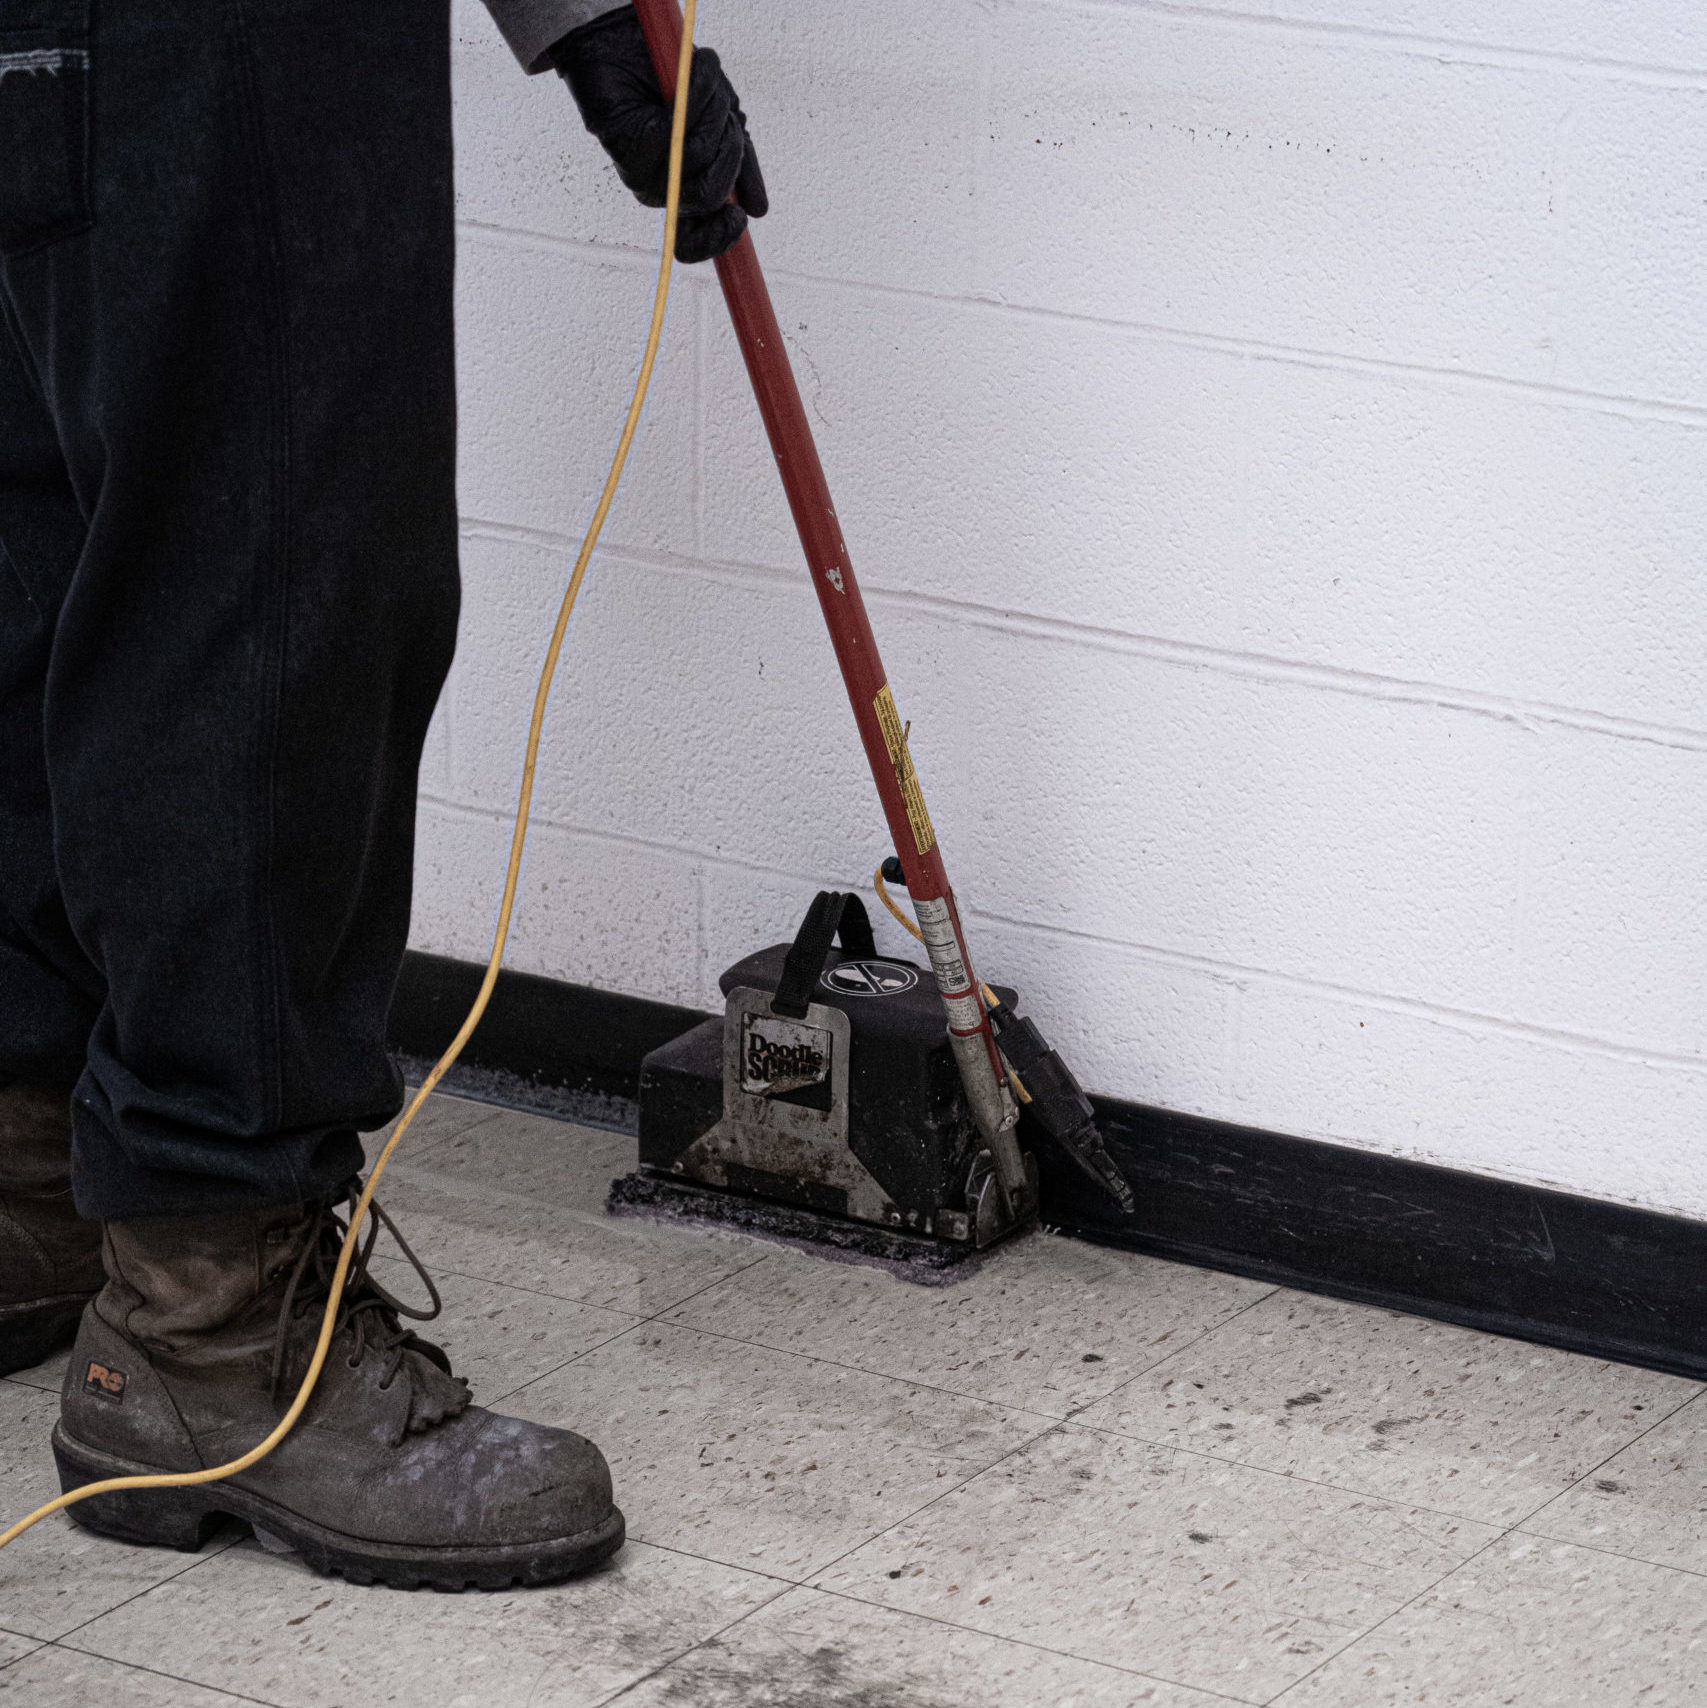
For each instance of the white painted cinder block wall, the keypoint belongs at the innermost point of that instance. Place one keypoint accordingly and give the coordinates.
(1290, 430)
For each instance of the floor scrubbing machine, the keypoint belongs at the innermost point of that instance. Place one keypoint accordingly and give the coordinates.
(847, 1099)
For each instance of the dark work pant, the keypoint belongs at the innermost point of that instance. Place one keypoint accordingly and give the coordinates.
(228, 584)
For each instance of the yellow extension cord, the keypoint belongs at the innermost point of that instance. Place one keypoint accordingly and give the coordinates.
(217, 1473)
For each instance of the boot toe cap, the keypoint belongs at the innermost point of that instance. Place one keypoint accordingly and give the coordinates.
(528, 1482)
(478, 1480)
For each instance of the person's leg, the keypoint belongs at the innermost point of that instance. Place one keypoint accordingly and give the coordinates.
(246, 358)
(50, 1258)
(49, 991)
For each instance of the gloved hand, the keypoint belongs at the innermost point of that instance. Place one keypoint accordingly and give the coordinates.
(609, 72)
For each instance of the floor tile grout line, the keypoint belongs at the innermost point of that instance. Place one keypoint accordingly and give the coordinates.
(574, 1358)
(627, 1328)
(636, 1320)
(1682, 1405)
(175, 1678)
(724, 1565)
(698, 1292)
(201, 1559)
(1606, 1553)
(1175, 1352)
(633, 1321)
(538, 1293)
(941, 1494)
(439, 1140)
(1520, 1527)
(961, 1393)
(862, 1370)
(812, 1584)
(1075, 1419)
(32, 1387)
(1392, 1500)
(1027, 1643)
(37, 1644)
(1392, 1613)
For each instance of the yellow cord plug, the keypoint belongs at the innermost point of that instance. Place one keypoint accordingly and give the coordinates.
(328, 1322)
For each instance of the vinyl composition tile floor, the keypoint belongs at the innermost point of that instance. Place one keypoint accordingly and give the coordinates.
(1078, 1479)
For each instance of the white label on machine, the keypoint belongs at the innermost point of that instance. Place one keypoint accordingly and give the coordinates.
(965, 1013)
(780, 1055)
(938, 929)
(869, 978)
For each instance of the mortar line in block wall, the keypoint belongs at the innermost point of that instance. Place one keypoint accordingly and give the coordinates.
(1193, 655)
(1475, 1022)
(1474, 380)
(1471, 1021)
(1452, 50)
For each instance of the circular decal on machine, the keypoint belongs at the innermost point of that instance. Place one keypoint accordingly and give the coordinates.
(869, 978)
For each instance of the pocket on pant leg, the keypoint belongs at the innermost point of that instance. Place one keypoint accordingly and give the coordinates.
(44, 135)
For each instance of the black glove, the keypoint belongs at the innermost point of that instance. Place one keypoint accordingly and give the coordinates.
(609, 72)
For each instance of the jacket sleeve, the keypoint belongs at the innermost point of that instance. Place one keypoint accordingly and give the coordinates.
(531, 26)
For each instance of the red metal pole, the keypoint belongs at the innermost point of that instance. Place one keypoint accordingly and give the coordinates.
(880, 725)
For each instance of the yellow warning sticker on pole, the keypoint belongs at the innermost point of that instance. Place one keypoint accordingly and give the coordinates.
(907, 779)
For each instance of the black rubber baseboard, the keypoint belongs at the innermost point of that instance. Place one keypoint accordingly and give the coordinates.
(541, 1044)
(1593, 1277)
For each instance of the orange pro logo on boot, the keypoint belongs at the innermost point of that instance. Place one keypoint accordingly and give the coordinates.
(103, 1383)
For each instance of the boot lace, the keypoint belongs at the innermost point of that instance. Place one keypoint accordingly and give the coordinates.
(368, 1309)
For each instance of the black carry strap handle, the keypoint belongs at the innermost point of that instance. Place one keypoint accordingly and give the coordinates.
(831, 911)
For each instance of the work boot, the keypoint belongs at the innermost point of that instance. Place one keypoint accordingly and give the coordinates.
(195, 1347)
(50, 1258)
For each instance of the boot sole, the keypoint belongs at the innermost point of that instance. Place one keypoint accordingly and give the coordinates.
(38, 1328)
(188, 1518)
